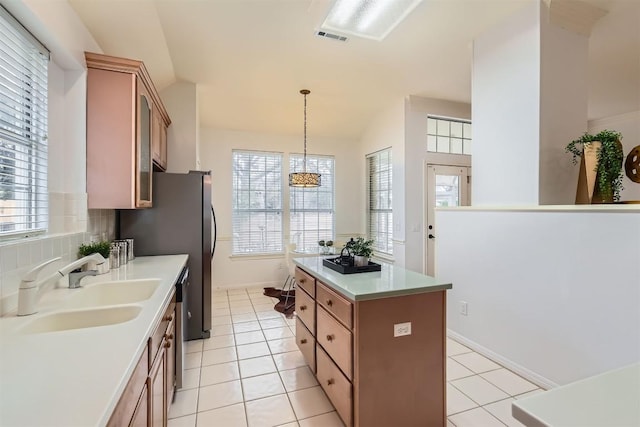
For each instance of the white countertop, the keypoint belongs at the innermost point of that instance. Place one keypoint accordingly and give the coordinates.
(611, 399)
(392, 281)
(75, 377)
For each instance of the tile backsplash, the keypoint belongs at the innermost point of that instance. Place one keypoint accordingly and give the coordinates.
(20, 255)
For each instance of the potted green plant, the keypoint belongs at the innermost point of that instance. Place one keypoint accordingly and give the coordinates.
(362, 250)
(103, 248)
(608, 168)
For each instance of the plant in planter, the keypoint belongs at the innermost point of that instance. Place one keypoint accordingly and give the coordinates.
(608, 168)
(362, 250)
(103, 248)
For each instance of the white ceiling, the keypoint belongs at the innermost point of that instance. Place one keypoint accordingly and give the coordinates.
(250, 58)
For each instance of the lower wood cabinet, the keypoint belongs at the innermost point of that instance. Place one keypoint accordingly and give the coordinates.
(372, 377)
(149, 392)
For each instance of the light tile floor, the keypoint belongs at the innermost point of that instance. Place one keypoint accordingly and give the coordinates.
(250, 373)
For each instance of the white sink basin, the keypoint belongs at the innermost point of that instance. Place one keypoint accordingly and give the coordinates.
(113, 293)
(67, 320)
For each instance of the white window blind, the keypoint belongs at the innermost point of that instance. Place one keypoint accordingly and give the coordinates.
(311, 210)
(23, 129)
(380, 224)
(257, 202)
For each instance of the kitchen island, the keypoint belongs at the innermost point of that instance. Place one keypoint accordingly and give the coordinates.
(375, 341)
(75, 377)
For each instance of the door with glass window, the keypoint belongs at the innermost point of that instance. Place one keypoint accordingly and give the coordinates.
(446, 186)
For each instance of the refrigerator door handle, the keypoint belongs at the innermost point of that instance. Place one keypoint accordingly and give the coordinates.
(215, 232)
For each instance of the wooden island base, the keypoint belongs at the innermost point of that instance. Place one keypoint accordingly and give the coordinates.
(372, 377)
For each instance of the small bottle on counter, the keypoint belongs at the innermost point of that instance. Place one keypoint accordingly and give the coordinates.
(114, 255)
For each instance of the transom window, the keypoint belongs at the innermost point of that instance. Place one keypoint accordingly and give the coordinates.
(23, 130)
(311, 210)
(257, 202)
(380, 212)
(446, 135)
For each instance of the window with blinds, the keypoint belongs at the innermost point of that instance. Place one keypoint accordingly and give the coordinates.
(257, 202)
(23, 130)
(380, 218)
(311, 210)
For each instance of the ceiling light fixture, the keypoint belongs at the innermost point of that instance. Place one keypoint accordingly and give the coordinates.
(372, 19)
(304, 179)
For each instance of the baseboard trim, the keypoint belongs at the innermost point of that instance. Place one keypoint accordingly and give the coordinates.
(525, 373)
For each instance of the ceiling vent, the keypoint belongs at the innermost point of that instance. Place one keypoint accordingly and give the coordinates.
(331, 36)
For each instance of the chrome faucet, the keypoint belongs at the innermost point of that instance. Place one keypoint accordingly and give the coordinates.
(31, 289)
(76, 276)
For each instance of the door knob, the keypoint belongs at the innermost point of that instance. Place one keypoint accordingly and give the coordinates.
(431, 236)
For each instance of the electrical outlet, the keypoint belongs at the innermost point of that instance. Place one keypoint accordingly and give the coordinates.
(463, 308)
(401, 329)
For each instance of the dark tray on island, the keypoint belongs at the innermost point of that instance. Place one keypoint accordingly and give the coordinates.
(349, 268)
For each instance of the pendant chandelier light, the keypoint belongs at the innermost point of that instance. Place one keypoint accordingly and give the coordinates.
(304, 179)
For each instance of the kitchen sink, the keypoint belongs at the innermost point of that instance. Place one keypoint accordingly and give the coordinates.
(113, 293)
(68, 320)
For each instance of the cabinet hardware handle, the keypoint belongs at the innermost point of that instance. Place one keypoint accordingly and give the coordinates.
(303, 341)
(303, 307)
(330, 337)
(168, 336)
(302, 280)
(330, 381)
(167, 344)
(329, 302)
(168, 318)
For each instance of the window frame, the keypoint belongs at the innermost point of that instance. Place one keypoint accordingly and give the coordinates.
(23, 130)
(279, 243)
(389, 211)
(465, 138)
(327, 180)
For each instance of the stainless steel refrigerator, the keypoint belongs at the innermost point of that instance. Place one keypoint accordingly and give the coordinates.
(181, 221)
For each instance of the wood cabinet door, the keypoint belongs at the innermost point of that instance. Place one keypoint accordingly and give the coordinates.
(156, 136)
(163, 145)
(143, 145)
(141, 415)
(170, 351)
(157, 396)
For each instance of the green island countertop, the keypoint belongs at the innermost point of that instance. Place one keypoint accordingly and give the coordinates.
(392, 281)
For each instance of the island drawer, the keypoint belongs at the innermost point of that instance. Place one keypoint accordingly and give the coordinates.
(336, 340)
(335, 304)
(307, 344)
(336, 386)
(306, 310)
(158, 335)
(306, 281)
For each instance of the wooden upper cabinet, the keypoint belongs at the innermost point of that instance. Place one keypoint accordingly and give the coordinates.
(124, 118)
(159, 141)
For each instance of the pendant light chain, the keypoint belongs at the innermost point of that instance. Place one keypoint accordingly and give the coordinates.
(304, 159)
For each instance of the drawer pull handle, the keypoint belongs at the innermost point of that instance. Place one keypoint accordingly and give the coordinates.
(303, 307)
(302, 280)
(167, 344)
(329, 302)
(168, 336)
(303, 341)
(330, 337)
(168, 318)
(330, 381)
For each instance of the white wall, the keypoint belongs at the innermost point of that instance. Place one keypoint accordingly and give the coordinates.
(387, 130)
(629, 126)
(58, 27)
(563, 110)
(415, 159)
(553, 295)
(181, 101)
(216, 154)
(505, 96)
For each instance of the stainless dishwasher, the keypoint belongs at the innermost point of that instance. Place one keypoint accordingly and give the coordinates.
(181, 323)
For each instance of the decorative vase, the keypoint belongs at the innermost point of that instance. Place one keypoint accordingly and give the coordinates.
(588, 191)
(360, 261)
